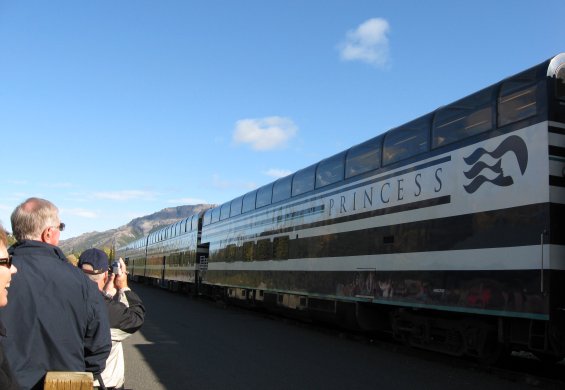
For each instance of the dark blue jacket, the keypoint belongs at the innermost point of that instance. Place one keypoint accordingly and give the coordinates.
(7, 379)
(56, 320)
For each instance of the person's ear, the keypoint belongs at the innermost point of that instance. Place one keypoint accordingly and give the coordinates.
(46, 235)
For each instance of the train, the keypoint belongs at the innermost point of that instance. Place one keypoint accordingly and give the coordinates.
(446, 232)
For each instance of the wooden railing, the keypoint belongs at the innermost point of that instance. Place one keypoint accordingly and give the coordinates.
(63, 380)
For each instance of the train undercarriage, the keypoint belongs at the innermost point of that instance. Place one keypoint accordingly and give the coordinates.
(485, 338)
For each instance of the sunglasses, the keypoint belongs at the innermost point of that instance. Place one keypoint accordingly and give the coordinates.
(6, 261)
(61, 227)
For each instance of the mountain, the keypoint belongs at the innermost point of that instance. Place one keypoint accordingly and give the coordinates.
(135, 229)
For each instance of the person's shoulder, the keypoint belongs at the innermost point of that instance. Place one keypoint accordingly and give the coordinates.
(31, 250)
(69, 272)
(76, 273)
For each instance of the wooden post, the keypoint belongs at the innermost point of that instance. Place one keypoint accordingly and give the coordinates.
(63, 380)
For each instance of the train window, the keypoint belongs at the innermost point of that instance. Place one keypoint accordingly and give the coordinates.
(330, 170)
(247, 251)
(281, 188)
(236, 206)
(560, 84)
(249, 201)
(303, 180)
(406, 141)
(264, 249)
(556, 70)
(464, 118)
(264, 195)
(231, 252)
(517, 99)
(225, 211)
(280, 248)
(207, 218)
(215, 214)
(364, 157)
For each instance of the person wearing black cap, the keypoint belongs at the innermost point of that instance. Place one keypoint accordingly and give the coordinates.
(57, 320)
(125, 310)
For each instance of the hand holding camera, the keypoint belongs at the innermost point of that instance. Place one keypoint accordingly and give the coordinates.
(120, 274)
(117, 278)
(116, 268)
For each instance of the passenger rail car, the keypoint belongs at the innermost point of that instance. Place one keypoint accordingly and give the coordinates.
(446, 231)
(168, 256)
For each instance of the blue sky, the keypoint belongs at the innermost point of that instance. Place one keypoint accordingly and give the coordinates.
(117, 109)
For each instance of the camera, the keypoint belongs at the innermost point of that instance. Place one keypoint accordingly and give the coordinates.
(116, 268)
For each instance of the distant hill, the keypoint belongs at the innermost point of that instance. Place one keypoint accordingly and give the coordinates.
(137, 228)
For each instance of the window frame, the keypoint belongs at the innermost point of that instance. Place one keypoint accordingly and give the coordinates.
(413, 134)
(264, 193)
(303, 181)
(336, 169)
(282, 189)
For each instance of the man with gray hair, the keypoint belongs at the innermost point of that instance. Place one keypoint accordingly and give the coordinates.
(58, 320)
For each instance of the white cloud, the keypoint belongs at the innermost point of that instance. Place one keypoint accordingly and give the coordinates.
(265, 133)
(124, 195)
(277, 173)
(79, 213)
(367, 43)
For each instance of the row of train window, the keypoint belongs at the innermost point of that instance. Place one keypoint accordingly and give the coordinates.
(184, 226)
(515, 99)
(264, 249)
